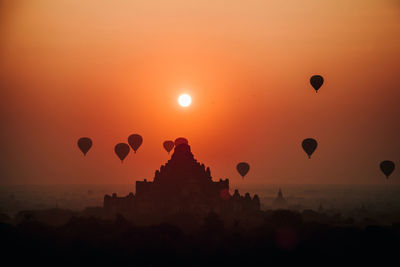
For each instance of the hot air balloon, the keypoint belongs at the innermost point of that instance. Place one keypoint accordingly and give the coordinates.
(84, 144)
(122, 150)
(387, 167)
(317, 81)
(135, 140)
(309, 145)
(243, 168)
(168, 145)
(180, 141)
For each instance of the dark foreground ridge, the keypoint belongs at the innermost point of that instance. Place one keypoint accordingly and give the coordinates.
(275, 237)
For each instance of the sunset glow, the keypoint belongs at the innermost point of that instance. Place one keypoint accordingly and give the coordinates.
(116, 69)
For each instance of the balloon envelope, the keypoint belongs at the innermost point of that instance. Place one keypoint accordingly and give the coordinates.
(122, 150)
(180, 141)
(84, 144)
(317, 81)
(387, 167)
(309, 145)
(135, 140)
(243, 168)
(168, 145)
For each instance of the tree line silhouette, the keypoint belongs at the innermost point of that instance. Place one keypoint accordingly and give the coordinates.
(279, 236)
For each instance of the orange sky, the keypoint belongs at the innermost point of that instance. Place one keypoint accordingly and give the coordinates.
(106, 69)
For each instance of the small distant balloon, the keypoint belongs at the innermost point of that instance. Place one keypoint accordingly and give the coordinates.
(135, 140)
(317, 81)
(387, 167)
(122, 150)
(243, 168)
(309, 145)
(84, 144)
(168, 145)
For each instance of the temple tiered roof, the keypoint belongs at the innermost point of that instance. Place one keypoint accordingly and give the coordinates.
(182, 185)
(182, 168)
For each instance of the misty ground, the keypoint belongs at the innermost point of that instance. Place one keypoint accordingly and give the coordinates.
(378, 202)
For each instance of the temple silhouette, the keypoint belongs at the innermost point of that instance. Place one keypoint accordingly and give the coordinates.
(182, 185)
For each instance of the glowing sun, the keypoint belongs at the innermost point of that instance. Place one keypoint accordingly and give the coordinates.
(184, 100)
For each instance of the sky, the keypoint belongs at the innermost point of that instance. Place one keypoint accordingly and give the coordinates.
(107, 69)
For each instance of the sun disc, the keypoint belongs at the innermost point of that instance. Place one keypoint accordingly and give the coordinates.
(184, 100)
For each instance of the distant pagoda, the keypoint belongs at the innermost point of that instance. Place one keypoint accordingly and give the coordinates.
(280, 202)
(182, 185)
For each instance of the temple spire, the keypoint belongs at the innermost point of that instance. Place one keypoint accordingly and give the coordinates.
(280, 195)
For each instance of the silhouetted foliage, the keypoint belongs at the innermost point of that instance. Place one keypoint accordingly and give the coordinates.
(282, 236)
(213, 224)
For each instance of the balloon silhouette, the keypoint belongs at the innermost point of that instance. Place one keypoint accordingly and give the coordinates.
(168, 145)
(135, 140)
(309, 145)
(180, 141)
(387, 167)
(243, 168)
(84, 144)
(122, 150)
(317, 81)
